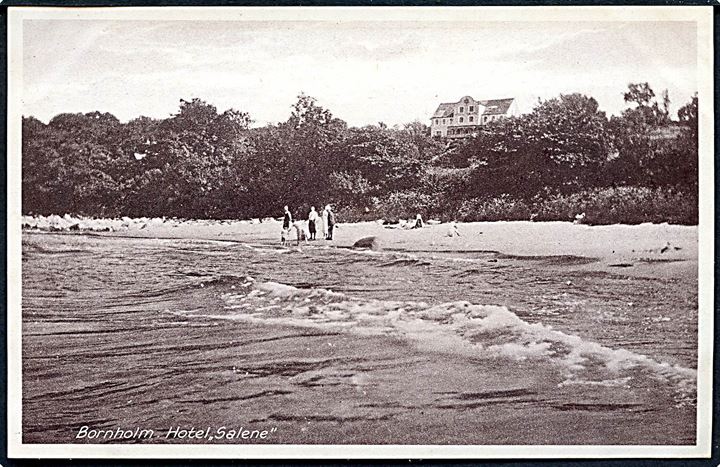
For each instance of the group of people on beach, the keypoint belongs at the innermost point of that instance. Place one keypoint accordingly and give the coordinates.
(324, 222)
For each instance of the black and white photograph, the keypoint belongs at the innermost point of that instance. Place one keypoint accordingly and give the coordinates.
(360, 232)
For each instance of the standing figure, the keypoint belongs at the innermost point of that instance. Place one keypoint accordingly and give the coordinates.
(330, 222)
(325, 222)
(312, 219)
(287, 219)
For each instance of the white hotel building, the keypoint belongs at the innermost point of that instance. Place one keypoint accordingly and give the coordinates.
(466, 116)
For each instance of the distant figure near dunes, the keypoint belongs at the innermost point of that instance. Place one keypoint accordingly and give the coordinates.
(372, 243)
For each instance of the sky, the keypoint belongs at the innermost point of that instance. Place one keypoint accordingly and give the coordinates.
(363, 72)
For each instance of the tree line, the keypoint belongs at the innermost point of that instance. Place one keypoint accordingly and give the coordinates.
(200, 163)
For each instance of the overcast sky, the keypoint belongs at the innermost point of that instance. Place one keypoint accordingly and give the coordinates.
(364, 72)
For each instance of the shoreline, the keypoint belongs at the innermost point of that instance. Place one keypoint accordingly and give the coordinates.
(651, 250)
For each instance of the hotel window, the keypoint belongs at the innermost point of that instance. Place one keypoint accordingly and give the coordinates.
(451, 120)
(443, 121)
(471, 109)
(462, 109)
(471, 118)
(461, 119)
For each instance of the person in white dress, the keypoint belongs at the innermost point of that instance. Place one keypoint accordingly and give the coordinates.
(312, 222)
(325, 222)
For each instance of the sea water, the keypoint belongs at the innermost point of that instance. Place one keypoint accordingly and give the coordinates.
(317, 344)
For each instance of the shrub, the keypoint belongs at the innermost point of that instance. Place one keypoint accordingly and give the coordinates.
(502, 208)
(404, 205)
(626, 205)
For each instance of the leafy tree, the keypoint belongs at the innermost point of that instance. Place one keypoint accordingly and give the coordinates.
(560, 145)
(298, 156)
(647, 112)
(688, 115)
(655, 156)
(385, 159)
(418, 134)
(187, 161)
(639, 93)
(72, 164)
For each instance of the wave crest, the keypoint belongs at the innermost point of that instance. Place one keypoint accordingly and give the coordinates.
(460, 327)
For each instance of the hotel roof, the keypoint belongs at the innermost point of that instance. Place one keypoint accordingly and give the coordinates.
(491, 107)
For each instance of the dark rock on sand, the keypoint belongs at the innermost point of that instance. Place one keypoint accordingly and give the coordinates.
(368, 242)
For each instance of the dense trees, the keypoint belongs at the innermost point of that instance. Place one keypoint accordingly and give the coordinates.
(203, 163)
(561, 145)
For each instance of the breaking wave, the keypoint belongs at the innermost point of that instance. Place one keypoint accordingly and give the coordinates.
(460, 327)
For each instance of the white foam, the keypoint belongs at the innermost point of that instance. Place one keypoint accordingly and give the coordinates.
(483, 331)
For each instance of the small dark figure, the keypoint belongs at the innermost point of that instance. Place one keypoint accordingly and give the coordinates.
(287, 219)
(330, 222)
(418, 222)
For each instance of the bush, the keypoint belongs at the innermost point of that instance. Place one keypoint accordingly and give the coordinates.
(621, 205)
(405, 205)
(503, 208)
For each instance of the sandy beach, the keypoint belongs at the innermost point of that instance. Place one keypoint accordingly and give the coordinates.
(651, 250)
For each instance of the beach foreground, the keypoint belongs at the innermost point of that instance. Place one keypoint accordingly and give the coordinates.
(511, 333)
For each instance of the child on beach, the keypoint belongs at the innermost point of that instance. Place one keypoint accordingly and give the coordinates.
(299, 232)
(285, 237)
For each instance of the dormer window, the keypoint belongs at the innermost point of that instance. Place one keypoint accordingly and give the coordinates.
(462, 109)
(472, 108)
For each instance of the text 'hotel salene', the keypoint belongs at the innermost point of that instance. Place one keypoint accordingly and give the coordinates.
(466, 116)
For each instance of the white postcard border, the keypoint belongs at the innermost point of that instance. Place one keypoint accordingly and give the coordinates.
(702, 15)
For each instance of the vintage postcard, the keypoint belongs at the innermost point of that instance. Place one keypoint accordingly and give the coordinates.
(360, 232)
